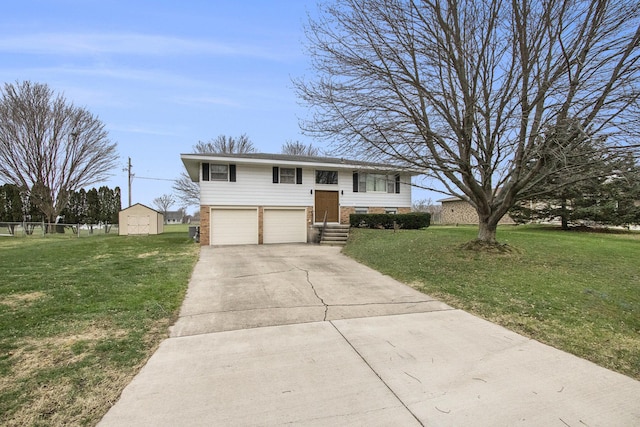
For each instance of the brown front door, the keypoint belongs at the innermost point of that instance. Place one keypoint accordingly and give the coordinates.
(327, 201)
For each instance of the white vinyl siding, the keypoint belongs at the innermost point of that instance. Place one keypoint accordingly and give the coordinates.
(254, 187)
(234, 226)
(284, 225)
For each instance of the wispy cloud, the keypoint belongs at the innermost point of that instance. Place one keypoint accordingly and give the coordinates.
(207, 100)
(129, 44)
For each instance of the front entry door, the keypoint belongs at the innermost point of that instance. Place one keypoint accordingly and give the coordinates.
(327, 201)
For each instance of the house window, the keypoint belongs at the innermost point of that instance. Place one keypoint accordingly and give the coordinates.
(362, 210)
(219, 172)
(375, 182)
(287, 175)
(326, 177)
(391, 211)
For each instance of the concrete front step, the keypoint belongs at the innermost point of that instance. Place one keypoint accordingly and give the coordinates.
(335, 234)
(335, 238)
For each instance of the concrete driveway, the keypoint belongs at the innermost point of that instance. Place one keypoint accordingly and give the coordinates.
(302, 335)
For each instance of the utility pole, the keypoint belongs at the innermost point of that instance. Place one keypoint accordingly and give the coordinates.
(130, 180)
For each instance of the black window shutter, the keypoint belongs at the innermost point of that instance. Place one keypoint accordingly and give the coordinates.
(232, 173)
(355, 182)
(205, 171)
(276, 173)
(298, 175)
(398, 183)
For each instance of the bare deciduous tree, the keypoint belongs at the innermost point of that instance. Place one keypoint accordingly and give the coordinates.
(164, 202)
(297, 148)
(186, 190)
(478, 94)
(226, 144)
(50, 144)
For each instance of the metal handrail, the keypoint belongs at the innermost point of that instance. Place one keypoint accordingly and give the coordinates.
(324, 225)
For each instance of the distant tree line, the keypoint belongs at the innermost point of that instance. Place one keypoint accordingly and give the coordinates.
(94, 206)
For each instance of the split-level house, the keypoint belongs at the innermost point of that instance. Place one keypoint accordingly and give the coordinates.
(276, 198)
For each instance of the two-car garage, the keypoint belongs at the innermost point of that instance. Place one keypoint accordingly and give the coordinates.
(241, 226)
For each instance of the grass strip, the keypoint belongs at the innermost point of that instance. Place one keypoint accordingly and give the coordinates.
(79, 317)
(576, 291)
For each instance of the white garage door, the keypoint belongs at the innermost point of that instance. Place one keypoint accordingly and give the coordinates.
(285, 226)
(234, 226)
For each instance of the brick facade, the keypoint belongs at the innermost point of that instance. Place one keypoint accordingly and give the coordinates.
(260, 225)
(205, 219)
(461, 212)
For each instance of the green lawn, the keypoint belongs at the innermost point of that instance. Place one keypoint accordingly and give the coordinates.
(576, 291)
(79, 317)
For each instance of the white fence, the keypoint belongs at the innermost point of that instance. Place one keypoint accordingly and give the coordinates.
(43, 229)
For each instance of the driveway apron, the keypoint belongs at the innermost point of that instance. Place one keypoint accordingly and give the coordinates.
(303, 335)
(244, 287)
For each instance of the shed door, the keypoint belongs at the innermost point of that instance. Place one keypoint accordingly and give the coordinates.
(327, 201)
(234, 226)
(285, 226)
(138, 224)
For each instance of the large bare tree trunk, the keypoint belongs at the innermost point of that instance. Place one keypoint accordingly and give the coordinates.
(487, 230)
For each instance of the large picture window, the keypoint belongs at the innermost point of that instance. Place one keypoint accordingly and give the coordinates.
(374, 182)
(326, 177)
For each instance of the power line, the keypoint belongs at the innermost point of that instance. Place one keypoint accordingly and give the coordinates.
(154, 179)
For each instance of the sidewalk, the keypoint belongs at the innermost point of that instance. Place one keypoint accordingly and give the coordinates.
(323, 340)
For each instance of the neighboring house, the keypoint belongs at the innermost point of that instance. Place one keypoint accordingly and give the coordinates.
(139, 219)
(174, 217)
(276, 198)
(458, 211)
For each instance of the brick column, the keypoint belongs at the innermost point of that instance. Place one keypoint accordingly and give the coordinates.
(260, 225)
(205, 221)
(345, 211)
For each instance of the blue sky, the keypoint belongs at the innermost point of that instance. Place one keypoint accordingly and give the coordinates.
(163, 75)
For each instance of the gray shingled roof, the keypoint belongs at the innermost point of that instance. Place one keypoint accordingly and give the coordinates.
(304, 159)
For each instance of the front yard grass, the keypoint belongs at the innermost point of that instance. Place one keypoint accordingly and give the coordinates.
(79, 317)
(576, 291)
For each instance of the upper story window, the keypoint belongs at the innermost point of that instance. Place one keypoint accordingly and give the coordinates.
(375, 182)
(218, 172)
(326, 177)
(288, 175)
